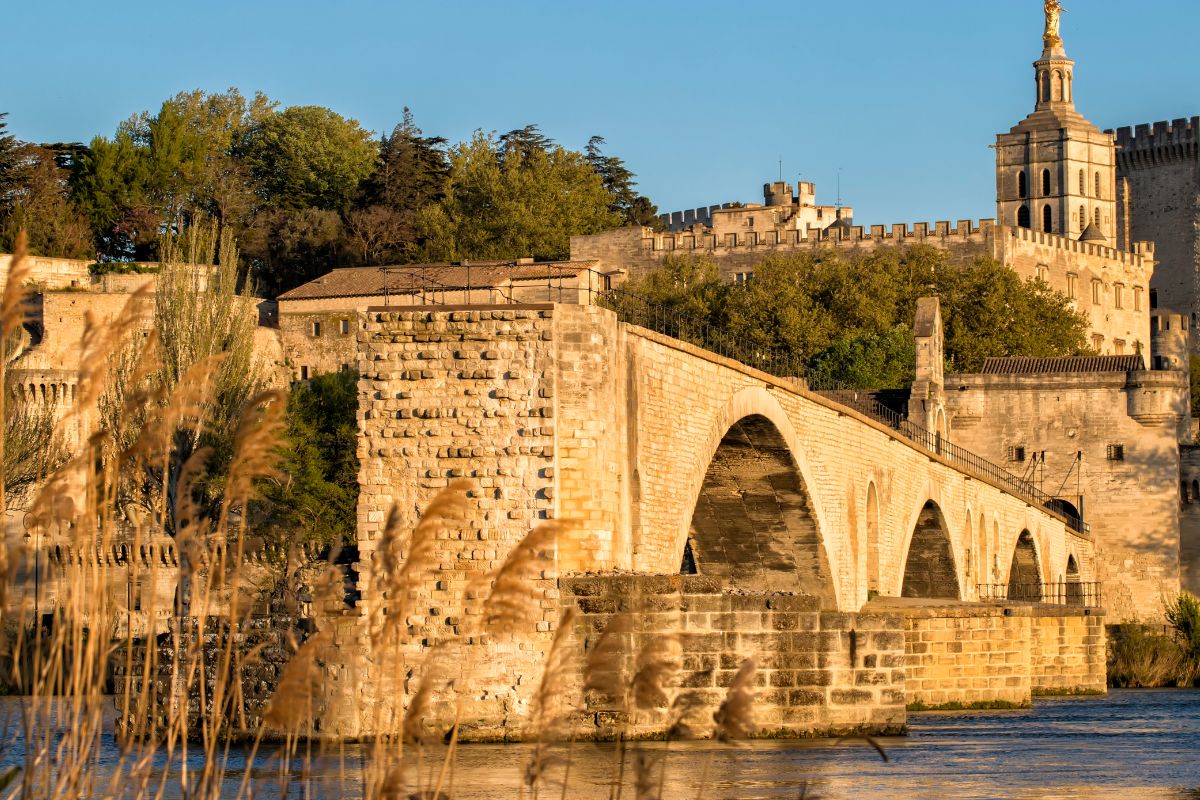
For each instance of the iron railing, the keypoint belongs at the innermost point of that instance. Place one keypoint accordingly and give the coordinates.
(1079, 594)
(681, 322)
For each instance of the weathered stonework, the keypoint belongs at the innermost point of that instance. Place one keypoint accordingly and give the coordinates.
(981, 654)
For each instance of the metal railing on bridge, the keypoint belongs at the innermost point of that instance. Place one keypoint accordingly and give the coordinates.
(577, 285)
(1079, 594)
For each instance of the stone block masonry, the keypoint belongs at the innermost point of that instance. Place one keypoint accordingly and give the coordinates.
(819, 673)
(960, 655)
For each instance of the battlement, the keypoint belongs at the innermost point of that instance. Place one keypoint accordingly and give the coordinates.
(939, 234)
(832, 236)
(1157, 135)
(677, 220)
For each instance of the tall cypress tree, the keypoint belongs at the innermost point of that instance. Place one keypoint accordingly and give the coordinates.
(412, 170)
(634, 208)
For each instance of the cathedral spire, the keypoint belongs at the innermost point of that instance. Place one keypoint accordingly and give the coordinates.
(1054, 72)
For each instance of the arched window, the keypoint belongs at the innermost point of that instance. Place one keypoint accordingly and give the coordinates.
(1047, 219)
(1023, 217)
(1097, 184)
(1022, 185)
(1058, 85)
(1044, 80)
(1097, 218)
(1045, 183)
(1082, 182)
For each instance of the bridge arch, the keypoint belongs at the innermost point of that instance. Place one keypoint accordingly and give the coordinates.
(929, 568)
(1025, 571)
(754, 520)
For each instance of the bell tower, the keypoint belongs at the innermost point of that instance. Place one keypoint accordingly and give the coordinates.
(1055, 170)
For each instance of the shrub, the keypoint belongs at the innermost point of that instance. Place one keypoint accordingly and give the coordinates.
(1140, 658)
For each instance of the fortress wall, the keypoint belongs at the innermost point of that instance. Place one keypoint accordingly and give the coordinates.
(1189, 518)
(1068, 652)
(1162, 164)
(1067, 266)
(51, 273)
(1132, 505)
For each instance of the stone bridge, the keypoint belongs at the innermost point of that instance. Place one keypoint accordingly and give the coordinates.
(793, 512)
(669, 458)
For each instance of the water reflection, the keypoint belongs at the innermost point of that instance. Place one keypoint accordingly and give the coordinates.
(1131, 745)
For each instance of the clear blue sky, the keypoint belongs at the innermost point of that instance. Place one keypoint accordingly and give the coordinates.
(702, 99)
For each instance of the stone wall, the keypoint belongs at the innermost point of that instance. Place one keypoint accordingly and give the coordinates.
(1076, 421)
(819, 673)
(1161, 163)
(1118, 313)
(964, 655)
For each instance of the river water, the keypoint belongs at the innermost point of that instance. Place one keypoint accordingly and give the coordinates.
(1130, 745)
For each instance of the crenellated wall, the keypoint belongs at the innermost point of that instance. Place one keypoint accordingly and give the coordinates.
(1108, 285)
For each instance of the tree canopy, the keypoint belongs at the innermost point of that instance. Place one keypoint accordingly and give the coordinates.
(304, 189)
(847, 317)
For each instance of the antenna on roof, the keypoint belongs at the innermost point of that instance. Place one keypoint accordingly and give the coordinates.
(838, 204)
(781, 170)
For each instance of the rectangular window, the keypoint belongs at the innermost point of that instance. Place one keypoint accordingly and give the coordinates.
(742, 278)
(1137, 298)
(1118, 295)
(1116, 452)
(1042, 272)
(304, 373)
(1097, 342)
(316, 328)
(345, 326)
(1072, 286)
(1016, 453)
(1097, 290)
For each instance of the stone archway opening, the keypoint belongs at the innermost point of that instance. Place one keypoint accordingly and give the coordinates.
(929, 570)
(753, 523)
(1074, 589)
(1025, 574)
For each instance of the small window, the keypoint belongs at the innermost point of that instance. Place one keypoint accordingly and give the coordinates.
(1047, 219)
(1016, 453)
(749, 222)
(742, 278)
(1043, 272)
(1097, 218)
(1097, 291)
(1072, 286)
(1022, 186)
(1046, 183)
(1082, 182)
(304, 373)
(316, 328)
(1097, 342)
(1116, 452)
(1119, 295)
(1023, 217)
(1119, 346)
(1098, 184)
(1137, 298)
(345, 326)
(1082, 217)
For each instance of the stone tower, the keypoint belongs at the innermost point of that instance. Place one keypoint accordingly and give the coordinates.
(1159, 167)
(1056, 171)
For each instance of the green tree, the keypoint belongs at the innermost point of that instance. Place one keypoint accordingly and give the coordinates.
(288, 247)
(867, 361)
(8, 157)
(634, 208)
(309, 157)
(38, 203)
(315, 499)
(516, 197)
(160, 170)
(412, 169)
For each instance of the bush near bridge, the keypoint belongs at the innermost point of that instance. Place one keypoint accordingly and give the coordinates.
(1152, 656)
(849, 316)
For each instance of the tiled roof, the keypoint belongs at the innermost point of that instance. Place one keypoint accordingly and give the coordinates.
(412, 278)
(1031, 366)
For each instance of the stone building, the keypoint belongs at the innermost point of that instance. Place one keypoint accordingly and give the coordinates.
(317, 321)
(1158, 173)
(1060, 218)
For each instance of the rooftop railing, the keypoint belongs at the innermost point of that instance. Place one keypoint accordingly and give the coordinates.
(1078, 594)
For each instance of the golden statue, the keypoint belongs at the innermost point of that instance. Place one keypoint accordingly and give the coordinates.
(1054, 11)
